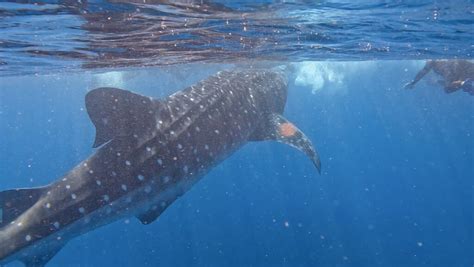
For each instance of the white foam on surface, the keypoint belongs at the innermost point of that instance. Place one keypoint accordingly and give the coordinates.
(319, 75)
(110, 79)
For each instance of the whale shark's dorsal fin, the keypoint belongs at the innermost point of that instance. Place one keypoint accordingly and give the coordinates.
(278, 128)
(116, 112)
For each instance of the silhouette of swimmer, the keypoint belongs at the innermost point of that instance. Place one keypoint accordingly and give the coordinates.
(457, 74)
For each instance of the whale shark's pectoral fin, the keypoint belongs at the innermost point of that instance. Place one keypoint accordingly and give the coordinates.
(16, 201)
(152, 214)
(279, 129)
(117, 113)
(43, 259)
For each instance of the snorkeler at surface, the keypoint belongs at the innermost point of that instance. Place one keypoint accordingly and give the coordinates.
(457, 74)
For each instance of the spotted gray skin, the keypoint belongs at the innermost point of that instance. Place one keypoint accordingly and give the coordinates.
(151, 152)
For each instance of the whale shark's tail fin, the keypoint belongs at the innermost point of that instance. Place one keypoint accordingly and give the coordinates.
(279, 129)
(16, 201)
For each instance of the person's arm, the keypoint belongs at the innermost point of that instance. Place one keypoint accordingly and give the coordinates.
(420, 75)
(453, 87)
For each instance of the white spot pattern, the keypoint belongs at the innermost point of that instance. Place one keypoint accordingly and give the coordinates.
(147, 189)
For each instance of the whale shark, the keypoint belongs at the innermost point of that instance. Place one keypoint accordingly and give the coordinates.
(149, 153)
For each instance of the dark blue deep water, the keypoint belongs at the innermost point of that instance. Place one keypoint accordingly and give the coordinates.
(397, 181)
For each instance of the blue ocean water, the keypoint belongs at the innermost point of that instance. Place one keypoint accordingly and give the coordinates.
(396, 187)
